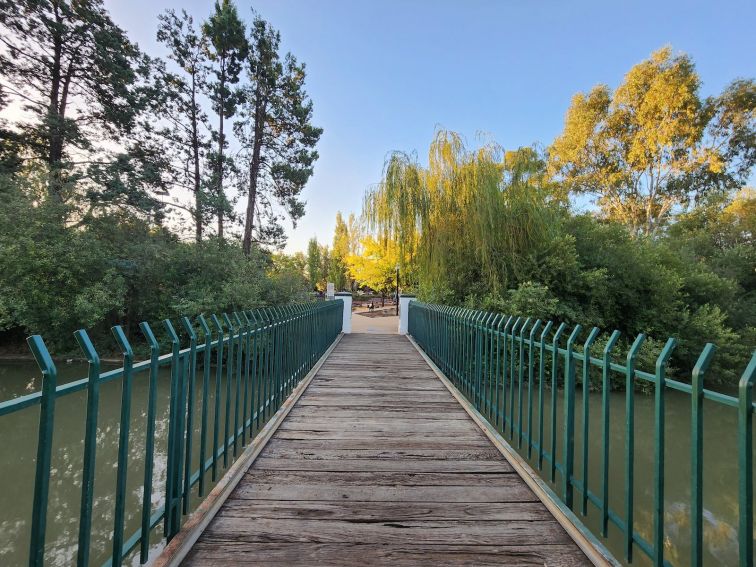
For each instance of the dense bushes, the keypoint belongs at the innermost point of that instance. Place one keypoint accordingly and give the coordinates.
(119, 269)
(694, 282)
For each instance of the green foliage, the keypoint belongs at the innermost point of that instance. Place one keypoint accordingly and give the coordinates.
(654, 144)
(84, 86)
(276, 132)
(119, 269)
(492, 231)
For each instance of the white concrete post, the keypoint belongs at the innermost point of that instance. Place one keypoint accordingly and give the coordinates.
(346, 297)
(404, 301)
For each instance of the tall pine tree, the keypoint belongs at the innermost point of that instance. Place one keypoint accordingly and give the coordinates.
(225, 34)
(82, 87)
(278, 135)
(186, 121)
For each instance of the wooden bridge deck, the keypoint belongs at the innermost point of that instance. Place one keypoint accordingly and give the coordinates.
(378, 464)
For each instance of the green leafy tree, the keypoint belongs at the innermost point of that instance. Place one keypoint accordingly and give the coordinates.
(375, 266)
(313, 263)
(339, 272)
(277, 133)
(225, 34)
(654, 144)
(187, 128)
(82, 86)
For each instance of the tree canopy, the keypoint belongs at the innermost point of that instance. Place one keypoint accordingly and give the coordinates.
(653, 144)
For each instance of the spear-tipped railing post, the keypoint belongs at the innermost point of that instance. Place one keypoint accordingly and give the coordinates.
(630, 443)
(541, 385)
(554, 369)
(44, 449)
(172, 492)
(123, 445)
(745, 462)
(660, 385)
(606, 388)
(696, 440)
(569, 416)
(586, 411)
(144, 548)
(90, 445)
(189, 329)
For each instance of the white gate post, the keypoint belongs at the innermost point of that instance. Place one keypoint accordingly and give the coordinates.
(346, 297)
(404, 301)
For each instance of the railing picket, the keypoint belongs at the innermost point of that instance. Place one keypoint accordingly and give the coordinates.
(630, 444)
(123, 446)
(541, 381)
(218, 389)
(520, 379)
(568, 458)
(206, 363)
(227, 436)
(44, 450)
(554, 370)
(192, 362)
(90, 446)
(745, 463)
(531, 376)
(606, 388)
(149, 442)
(696, 454)
(586, 382)
(660, 386)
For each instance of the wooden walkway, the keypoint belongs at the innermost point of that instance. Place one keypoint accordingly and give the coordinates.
(377, 464)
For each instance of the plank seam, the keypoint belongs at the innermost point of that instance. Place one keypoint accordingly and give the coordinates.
(180, 546)
(594, 550)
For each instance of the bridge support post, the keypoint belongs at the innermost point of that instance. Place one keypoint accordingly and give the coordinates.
(404, 301)
(346, 297)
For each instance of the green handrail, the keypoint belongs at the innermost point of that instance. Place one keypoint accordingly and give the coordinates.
(494, 360)
(261, 355)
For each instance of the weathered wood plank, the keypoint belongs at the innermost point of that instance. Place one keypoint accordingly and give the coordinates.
(374, 423)
(399, 555)
(394, 444)
(347, 462)
(296, 449)
(387, 533)
(515, 492)
(442, 413)
(386, 511)
(342, 479)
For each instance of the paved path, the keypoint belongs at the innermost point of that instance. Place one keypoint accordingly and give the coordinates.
(363, 323)
(377, 464)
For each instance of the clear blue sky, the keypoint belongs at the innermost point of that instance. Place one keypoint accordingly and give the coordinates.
(384, 75)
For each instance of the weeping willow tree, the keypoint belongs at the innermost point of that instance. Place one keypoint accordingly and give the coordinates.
(471, 221)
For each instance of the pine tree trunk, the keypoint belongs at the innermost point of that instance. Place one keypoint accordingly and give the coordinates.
(195, 156)
(55, 141)
(220, 196)
(254, 173)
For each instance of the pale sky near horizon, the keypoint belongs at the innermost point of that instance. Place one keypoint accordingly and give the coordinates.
(384, 75)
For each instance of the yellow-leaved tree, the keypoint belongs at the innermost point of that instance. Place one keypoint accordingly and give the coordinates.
(375, 265)
(653, 144)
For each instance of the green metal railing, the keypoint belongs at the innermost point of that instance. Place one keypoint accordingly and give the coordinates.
(258, 357)
(497, 361)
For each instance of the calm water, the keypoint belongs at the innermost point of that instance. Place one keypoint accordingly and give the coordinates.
(18, 433)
